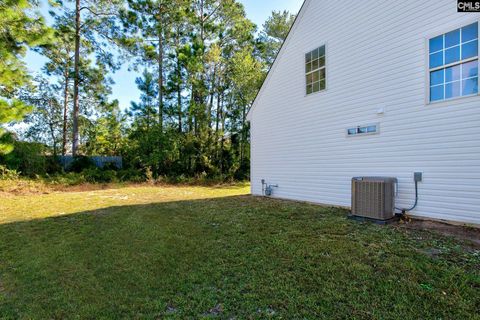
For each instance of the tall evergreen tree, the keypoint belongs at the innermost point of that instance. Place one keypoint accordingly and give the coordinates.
(20, 29)
(151, 25)
(274, 33)
(104, 135)
(60, 55)
(98, 23)
(45, 123)
(144, 112)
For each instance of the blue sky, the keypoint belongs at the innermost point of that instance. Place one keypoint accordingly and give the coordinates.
(125, 89)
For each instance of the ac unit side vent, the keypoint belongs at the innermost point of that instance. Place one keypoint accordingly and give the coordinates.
(374, 197)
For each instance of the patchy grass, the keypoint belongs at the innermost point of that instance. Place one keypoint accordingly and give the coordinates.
(77, 182)
(26, 186)
(213, 252)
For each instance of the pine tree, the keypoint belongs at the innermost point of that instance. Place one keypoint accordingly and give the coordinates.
(144, 112)
(105, 133)
(60, 55)
(19, 30)
(98, 23)
(45, 123)
(274, 33)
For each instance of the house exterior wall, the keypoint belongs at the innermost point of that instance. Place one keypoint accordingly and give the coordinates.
(376, 59)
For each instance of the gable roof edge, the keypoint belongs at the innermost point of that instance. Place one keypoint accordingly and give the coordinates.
(277, 57)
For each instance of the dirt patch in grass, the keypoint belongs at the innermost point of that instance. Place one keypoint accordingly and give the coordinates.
(461, 232)
(86, 187)
(21, 187)
(37, 187)
(27, 187)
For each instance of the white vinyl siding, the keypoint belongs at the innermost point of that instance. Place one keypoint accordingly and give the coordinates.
(377, 59)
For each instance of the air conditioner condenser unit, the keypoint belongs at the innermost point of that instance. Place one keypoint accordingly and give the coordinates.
(373, 198)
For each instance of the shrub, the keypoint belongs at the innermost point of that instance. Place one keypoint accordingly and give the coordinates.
(52, 165)
(7, 174)
(27, 158)
(131, 175)
(149, 175)
(80, 164)
(110, 166)
(100, 176)
(68, 179)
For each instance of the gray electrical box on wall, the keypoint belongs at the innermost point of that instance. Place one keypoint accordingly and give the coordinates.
(418, 176)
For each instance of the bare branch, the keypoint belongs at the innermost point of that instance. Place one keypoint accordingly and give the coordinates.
(96, 13)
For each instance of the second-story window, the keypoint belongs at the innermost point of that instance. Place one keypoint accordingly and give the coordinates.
(453, 64)
(315, 70)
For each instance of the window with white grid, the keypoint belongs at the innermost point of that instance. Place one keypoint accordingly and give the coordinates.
(315, 70)
(453, 64)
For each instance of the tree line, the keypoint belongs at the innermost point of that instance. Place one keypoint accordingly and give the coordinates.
(201, 64)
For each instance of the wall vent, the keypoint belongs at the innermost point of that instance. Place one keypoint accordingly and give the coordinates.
(374, 197)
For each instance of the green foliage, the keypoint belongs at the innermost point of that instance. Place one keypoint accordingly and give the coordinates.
(8, 174)
(20, 29)
(28, 158)
(9, 112)
(65, 179)
(45, 123)
(95, 175)
(274, 33)
(104, 134)
(202, 68)
(144, 112)
(110, 166)
(131, 175)
(81, 163)
(201, 76)
(53, 165)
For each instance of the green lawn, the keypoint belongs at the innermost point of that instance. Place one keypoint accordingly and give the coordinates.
(206, 252)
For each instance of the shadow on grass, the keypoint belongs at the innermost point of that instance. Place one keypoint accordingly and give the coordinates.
(239, 256)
